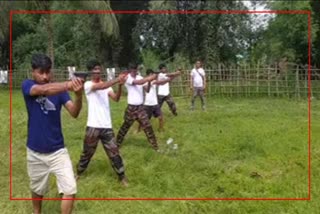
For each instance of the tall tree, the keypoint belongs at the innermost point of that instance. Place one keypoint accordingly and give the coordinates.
(5, 7)
(108, 22)
(286, 35)
(123, 48)
(211, 37)
(105, 27)
(315, 5)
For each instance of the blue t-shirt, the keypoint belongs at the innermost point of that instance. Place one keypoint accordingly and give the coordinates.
(44, 119)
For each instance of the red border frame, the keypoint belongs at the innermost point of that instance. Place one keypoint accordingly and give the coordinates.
(305, 12)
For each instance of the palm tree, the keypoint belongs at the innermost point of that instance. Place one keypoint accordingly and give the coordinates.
(5, 7)
(108, 22)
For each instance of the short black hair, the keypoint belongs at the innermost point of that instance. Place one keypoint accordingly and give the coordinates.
(162, 66)
(41, 61)
(133, 66)
(149, 71)
(92, 63)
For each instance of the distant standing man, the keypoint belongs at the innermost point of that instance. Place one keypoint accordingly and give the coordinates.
(198, 84)
(99, 126)
(46, 152)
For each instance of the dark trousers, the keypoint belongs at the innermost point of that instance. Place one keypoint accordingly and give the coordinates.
(90, 143)
(137, 113)
(168, 99)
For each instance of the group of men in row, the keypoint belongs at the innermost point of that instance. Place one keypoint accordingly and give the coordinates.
(44, 99)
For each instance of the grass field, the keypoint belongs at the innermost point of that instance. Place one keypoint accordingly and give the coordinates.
(238, 148)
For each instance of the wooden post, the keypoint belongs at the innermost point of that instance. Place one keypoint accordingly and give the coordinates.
(13, 80)
(306, 83)
(227, 74)
(215, 78)
(211, 71)
(269, 92)
(245, 80)
(187, 82)
(220, 78)
(17, 79)
(181, 84)
(249, 80)
(297, 82)
(12, 77)
(287, 85)
(311, 91)
(238, 80)
(230, 78)
(277, 82)
(257, 78)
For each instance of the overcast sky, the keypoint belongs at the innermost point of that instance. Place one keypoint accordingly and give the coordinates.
(258, 19)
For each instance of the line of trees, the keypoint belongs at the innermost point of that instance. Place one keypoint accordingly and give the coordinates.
(117, 39)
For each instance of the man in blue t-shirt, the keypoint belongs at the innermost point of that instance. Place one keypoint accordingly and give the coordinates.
(45, 146)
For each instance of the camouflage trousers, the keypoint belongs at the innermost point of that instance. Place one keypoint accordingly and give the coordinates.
(90, 143)
(169, 101)
(137, 113)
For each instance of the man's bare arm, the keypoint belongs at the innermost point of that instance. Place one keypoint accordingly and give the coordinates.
(104, 85)
(174, 74)
(144, 80)
(162, 82)
(116, 96)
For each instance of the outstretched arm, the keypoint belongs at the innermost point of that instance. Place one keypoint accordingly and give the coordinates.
(162, 82)
(104, 85)
(51, 88)
(144, 80)
(174, 74)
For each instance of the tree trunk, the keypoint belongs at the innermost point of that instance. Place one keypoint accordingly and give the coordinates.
(50, 48)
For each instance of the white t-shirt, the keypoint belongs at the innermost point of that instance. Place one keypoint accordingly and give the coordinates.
(163, 90)
(151, 98)
(98, 106)
(135, 92)
(196, 77)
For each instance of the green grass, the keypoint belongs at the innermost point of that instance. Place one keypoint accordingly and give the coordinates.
(238, 148)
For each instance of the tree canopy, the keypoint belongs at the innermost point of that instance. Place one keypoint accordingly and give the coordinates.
(117, 39)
